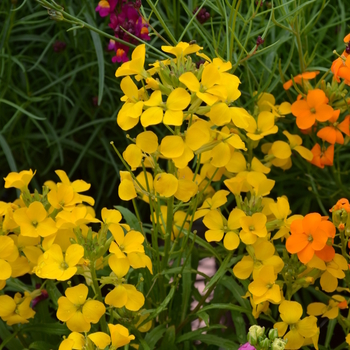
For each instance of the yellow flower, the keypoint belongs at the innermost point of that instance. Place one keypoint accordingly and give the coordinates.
(110, 216)
(207, 90)
(264, 254)
(19, 180)
(63, 197)
(123, 294)
(253, 227)
(16, 310)
(75, 340)
(182, 49)
(219, 198)
(135, 65)
(264, 288)
(53, 265)
(129, 246)
(120, 335)
(177, 101)
(238, 164)
(331, 310)
(295, 142)
(218, 226)
(76, 311)
(263, 127)
(34, 221)
(75, 218)
(266, 102)
(77, 185)
(8, 252)
(334, 270)
(291, 312)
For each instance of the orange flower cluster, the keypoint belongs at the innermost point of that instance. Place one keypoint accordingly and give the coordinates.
(318, 109)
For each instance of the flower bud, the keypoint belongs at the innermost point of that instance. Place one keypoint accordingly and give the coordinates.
(264, 344)
(254, 333)
(273, 334)
(278, 344)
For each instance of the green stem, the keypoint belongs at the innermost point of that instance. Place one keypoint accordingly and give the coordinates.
(169, 226)
(98, 295)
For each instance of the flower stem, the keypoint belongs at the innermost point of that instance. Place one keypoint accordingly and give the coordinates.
(98, 295)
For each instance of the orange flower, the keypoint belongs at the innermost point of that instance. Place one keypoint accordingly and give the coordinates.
(309, 235)
(342, 203)
(314, 108)
(299, 79)
(322, 157)
(332, 133)
(341, 68)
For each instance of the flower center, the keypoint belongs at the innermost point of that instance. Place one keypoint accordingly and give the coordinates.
(35, 223)
(64, 265)
(251, 228)
(310, 238)
(313, 110)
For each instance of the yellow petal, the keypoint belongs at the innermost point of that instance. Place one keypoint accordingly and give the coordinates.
(126, 190)
(281, 150)
(172, 146)
(93, 310)
(190, 80)
(304, 152)
(178, 99)
(290, 311)
(244, 268)
(166, 184)
(133, 156)
(147, 141)
(186, 190)
(152, 116)
(119, 266)
(231, 240)
(100, 339)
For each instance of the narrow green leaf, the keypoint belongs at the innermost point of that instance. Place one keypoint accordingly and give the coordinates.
(52, 328)
(8, 154)
(157, 333)
(240, 327)
(205, 245)
(129, 217)
(40, 345)
(30, 115)
(224, 307)
(217, 341)
(219, 273)
(330, 331)
(197, 333)
(205, 317)
(8, 339)
(168, 342)
(100, 59)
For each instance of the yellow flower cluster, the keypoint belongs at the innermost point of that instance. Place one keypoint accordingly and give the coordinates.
(48, 234)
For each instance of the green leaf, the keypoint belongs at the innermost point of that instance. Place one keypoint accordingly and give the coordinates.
(152, 337)
(205, 317)
(168, 342)
(129, 217)
(40, 345)
(8, 339)
(30, 115)
(240, 327)
(197, 333)
(100, 59)
(224, 307)
(204, 244)
(217, 341)
(8, 154)
(330, 332)
(222, 270)
(51, 328)
(53, 292)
